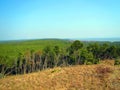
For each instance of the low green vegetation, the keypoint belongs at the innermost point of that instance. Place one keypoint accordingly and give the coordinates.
(20, 57)
(117, 62)
(10, 50)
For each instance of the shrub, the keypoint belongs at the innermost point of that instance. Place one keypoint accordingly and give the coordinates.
(1, 75)
(89, 63)
(117, 62)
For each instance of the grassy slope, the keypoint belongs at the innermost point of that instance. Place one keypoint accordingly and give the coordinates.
(84, 77)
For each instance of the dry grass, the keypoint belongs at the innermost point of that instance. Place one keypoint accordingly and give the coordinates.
(108, 62)
(84, 77)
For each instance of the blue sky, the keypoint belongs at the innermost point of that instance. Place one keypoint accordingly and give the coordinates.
(33, 19)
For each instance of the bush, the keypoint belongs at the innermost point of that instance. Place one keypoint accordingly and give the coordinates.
(1, 75)
(117, 62)
(96, 61)
(88, 63)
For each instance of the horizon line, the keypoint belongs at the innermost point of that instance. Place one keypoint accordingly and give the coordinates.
(89, 39)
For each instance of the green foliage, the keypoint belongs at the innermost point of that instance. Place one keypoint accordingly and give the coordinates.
(88, 63)
(1, 75)
(10, 50)
(117, 62)
(30, 56)
(86, 56)
(56, 50)
(76, 45)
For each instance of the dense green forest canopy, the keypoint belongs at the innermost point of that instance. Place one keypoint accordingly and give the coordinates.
(18, 57)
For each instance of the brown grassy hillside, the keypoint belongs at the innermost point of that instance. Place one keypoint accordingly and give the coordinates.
(81, 77)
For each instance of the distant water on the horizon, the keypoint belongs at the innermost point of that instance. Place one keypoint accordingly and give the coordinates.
(99, 39)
